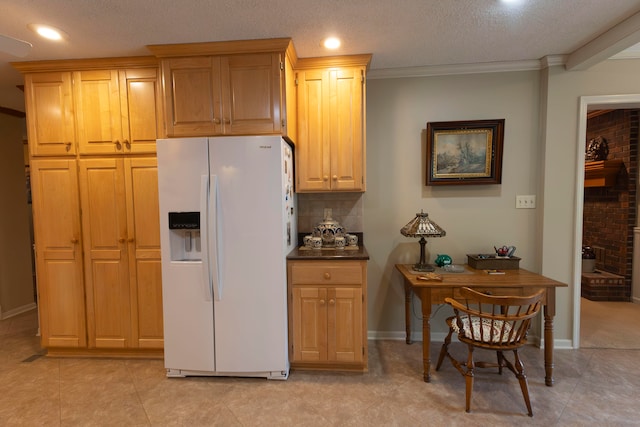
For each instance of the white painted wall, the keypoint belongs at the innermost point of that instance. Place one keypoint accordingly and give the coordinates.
(475, 217)
(562, 167)
(541, 157)
(16, 281)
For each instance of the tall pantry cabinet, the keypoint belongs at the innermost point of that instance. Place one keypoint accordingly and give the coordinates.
(92, 126)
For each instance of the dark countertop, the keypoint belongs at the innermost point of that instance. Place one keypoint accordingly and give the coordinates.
(326, 254)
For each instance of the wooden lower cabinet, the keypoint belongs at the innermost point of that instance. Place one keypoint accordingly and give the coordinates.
(327, 315)
(56, 221)
(119, 199)
(97, 240)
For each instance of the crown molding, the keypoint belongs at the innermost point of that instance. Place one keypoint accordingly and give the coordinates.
(457, 69)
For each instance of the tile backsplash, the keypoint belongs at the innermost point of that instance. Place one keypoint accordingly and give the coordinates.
(346, 209)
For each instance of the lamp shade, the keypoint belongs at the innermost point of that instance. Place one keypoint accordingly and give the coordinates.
(422, 226)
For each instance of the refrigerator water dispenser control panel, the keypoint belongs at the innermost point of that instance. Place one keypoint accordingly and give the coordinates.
(185, 236)
(184, 220)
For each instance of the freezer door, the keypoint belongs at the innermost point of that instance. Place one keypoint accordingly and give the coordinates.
(183, 181)
(253, 233)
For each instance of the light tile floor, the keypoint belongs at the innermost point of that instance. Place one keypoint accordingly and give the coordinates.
(592, 387)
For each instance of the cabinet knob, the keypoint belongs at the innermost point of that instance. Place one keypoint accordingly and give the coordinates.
(227, 121)
(325, 178)
(332, 301)
(67, 146)
(127, 143)
(216, 121)
(327, 276)
(321, 302)
(118, 144)
(122, 240)
(74, 240)
(130, 240)
(335, 177)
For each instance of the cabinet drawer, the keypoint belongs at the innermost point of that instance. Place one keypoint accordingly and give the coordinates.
(330, 273)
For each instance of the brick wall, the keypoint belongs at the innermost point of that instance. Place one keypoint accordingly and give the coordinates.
(610, 212)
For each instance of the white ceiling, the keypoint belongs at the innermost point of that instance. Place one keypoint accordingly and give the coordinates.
(404, 36)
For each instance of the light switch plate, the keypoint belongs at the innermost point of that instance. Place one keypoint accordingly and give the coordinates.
(526, 202)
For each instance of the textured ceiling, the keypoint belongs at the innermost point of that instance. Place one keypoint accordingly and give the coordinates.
(399, 34)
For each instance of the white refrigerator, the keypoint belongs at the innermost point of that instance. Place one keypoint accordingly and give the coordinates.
(228, 220)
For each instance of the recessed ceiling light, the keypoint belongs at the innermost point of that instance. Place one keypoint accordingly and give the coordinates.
(332, 43)
(48, 32)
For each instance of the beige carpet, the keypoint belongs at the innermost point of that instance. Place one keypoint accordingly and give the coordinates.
(605, 324)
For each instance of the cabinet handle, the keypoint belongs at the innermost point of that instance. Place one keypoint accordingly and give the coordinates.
(332, 301)
(327, 276)
(67, 146)
(127, 144)
(321, 302)
(335, 177)
(118, 144)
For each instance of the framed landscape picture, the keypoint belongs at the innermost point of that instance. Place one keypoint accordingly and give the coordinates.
(465, 152)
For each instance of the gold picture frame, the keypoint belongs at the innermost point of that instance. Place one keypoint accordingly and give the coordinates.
(465, 152)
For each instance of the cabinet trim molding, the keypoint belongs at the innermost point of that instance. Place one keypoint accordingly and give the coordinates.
(222, 48)
(86, 64)
(362, 60)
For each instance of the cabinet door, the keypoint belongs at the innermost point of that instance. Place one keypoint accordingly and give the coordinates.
(251, 94)
(141, 178)
(56, 220)
(192, 96)
(141, 106)
(347, 129)
(345, 340)
(313, 143)
(104, 222)
(309, 324)
(50, 120)
(98, 115)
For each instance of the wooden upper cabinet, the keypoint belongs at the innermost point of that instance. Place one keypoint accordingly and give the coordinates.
(117, 111)
(58, 247)
(330, 146)
(223, 95)
(141, 106)
(192, 96)
(251, 94)
(50, 118)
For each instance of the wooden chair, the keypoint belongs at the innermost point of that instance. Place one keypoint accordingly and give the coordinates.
(493, 323)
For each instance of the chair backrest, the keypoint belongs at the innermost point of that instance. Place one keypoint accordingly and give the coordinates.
(494, 321)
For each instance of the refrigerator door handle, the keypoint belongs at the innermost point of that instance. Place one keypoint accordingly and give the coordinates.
(216, 236)
(204, 217)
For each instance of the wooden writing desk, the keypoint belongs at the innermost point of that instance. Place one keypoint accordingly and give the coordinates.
(513, 282)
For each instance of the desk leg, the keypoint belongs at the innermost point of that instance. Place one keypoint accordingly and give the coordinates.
(425, 297)
(549, 313)
(408, 294)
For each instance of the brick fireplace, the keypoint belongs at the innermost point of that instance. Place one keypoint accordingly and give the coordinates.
(609, 215)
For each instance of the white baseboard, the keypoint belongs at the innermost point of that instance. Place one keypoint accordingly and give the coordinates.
(17, 310)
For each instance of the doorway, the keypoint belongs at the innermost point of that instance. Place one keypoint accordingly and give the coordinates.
(589, 103)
